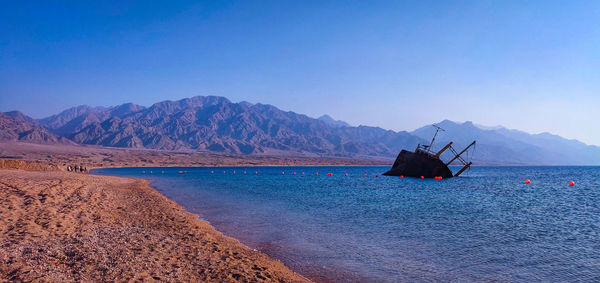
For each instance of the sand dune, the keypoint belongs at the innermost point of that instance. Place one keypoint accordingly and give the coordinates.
(59, 226)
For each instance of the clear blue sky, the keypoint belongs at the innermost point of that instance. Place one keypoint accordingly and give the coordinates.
(529, 65)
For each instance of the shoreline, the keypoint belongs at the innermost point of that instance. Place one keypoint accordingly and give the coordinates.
(311, 273)
(237, 166)
(48, 163)
(149, 182)
(133, 220)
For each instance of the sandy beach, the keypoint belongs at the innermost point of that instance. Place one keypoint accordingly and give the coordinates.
(59, 226)
(67, 226)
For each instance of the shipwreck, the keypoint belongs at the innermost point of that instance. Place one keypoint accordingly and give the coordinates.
(426, 163)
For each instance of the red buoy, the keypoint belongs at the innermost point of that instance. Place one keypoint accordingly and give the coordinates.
(317, 173)
(571, 183)
(223, 172)
(255, 172)
(211, 172)
(346, 174)
(401, 176)
(162, 172)
(181, 172)
(233, 171)
(244, 172)
(294, 173)
(422, 177)
(365, 175)
(527, 181)
(143, 172)
(282, 173)
(376, 176)
(302, 173)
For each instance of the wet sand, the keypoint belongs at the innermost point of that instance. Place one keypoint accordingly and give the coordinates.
(59, 226)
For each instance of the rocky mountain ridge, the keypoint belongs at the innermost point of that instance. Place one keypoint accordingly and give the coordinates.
(215, 124)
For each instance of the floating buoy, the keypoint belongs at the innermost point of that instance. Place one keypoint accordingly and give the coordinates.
(302, 173)
(255, 172)
(527, 181)
(401, 176)
(150, 172)
(211, 172)
(282, 173)
(571, 183)
(244, 172)
(346, 174)
(233, 171)
(376, 176)
(294, 173)
(365, 175)
(329, 174)
(162, 172)
(317, 173)
(143, 172)
(422, 177)
(180, 172)
(223, 172)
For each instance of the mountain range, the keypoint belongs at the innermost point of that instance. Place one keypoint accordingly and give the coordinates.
(215, 124)
(16, 126)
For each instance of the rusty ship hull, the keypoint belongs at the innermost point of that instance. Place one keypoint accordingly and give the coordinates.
(417, 164)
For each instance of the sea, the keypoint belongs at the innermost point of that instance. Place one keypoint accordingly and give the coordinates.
(352, 224)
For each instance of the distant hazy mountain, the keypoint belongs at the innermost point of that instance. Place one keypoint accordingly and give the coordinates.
(20, 127)
(330, 121)
(17, 115)
(216, 124)
(498, 145)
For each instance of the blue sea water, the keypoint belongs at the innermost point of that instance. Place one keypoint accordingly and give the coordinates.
(485, 226)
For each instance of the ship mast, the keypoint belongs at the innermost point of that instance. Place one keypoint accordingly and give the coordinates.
(457, 156)
(438, 128)
(437, 155)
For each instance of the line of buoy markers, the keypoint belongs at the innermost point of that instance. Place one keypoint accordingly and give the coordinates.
(527, 181)
(571, 183)
(282, 173)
